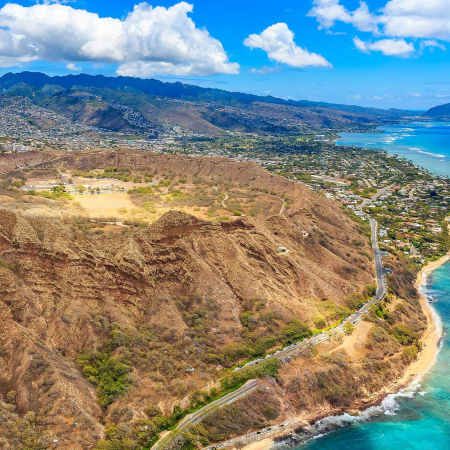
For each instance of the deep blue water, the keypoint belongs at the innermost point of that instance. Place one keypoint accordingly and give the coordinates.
(426, 144)
(419, 417)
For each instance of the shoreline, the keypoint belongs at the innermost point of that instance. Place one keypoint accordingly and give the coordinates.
(415, 371)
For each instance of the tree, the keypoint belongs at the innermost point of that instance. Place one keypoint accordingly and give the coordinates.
(81, 189)
(296, 331)
(348, 328)
(369, 290)
(409, 353)
(109, 373)
(320, 321)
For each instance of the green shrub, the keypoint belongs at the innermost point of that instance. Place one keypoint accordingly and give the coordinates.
(404, 334)
(57, 192)
(270, 413)
(264, 344)
(296, 331)
(348, 328)
(354, 300)
(141, 190)
(237, 379)
(236, 351)
(109, 373)
(369, 290)
(320, 322)
(409, 353)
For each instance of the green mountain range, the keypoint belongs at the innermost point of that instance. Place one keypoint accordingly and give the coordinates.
(125, 103)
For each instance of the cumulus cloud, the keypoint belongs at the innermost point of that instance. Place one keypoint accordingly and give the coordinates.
(15, 50)
(73, 67)
(417, 18)
(328, 12)
(399, 19)
(278, 42)
(148, 41)
(391, 47)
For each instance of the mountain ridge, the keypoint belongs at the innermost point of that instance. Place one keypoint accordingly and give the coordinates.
(176, 89)
(105, 102)
(441, 112)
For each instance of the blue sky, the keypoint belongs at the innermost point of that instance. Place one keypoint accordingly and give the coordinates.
(383, 53)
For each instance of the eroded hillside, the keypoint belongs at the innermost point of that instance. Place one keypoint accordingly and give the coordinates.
(164, 310)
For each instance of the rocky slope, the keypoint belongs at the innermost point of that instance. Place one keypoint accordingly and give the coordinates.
(158, 302)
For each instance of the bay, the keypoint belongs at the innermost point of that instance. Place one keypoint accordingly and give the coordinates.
(425, 144)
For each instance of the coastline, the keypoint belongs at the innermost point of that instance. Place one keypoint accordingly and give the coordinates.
(415, 371)
(432, 334)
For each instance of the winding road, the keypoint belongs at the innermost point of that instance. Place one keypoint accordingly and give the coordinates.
(289, 352)
(198, 416)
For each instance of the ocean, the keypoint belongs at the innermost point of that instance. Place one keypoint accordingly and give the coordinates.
(416, 418)
(425, 144)
(419, 416)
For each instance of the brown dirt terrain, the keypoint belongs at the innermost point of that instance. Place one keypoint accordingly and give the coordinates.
(166, 298)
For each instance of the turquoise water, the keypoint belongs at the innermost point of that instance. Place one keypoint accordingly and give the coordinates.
(419, 417)
(426, 144)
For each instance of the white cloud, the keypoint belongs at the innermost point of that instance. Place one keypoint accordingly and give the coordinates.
(402, 19)
(278, 41)
(264, 70)
(149, 41)
(391, 47)
(328, 12)
(381, 97)
(355, 97)
(15, 50)
(414, 94)
(417, 18)
(432, 44)
(73, 67)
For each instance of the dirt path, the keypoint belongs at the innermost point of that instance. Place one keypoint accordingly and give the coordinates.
(224, 200)
(354, 344)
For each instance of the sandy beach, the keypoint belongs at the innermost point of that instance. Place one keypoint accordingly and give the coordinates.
(418, 368)
(260, 445)
(432, 334)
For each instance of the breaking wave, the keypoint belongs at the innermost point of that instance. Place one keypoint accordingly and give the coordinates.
(388, 407)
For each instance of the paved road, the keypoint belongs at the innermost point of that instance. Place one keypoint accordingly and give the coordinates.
(379, 272)
(198, 416)
(291, 351)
